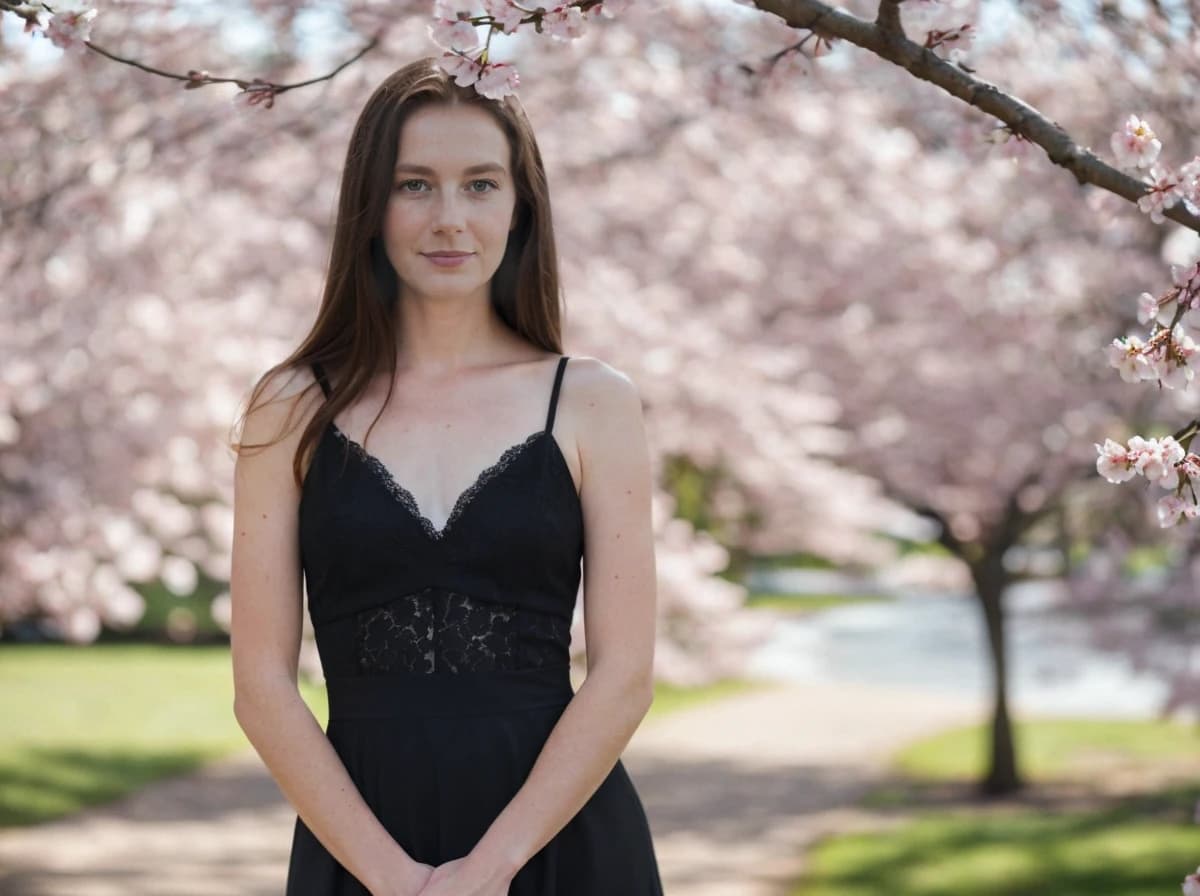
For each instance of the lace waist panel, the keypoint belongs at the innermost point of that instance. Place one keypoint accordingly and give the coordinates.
(437, 630)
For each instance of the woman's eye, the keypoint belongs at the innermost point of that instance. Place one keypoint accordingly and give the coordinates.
(404, 183)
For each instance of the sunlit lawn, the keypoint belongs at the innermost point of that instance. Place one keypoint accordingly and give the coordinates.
(1063, 838)
(84, 725)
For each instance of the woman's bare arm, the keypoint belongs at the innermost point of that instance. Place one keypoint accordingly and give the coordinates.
(266, 627)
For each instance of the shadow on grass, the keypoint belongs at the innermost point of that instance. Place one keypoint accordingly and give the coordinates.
(47, 782)
(1055, 840)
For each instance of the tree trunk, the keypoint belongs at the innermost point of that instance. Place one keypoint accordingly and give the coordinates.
(990, 581)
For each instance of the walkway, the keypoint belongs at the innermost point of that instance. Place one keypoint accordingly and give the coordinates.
(734, 791)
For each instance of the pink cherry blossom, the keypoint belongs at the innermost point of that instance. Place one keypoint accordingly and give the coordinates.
(1169, 510)
(1162, 194)
(1135, 145)
(506, 16)
(498, 80)
(463, 69)
(1191, 322)
(452, 9)
(70, 28)
(1114, 462)
(1126, 355)
(1182, 359)
(564, 23)
(1186, 275)
(1156, 457)
(1150, 310)
(454, 34)
(1189, 185)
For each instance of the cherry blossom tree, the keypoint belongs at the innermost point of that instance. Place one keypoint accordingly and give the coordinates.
(822, 355)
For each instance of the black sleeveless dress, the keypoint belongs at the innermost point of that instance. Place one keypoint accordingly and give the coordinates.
(445, 654)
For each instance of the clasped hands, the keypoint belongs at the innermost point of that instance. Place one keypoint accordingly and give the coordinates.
(460, 877)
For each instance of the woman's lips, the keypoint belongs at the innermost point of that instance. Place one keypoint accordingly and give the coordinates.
(448, 261)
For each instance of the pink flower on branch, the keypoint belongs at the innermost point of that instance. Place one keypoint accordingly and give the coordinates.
(1164, 462)
(565, 22)
(1135, 145)
(1163, 193)
(1172, 508)
(463, 69)
(1127, 356)
(70, 27)
(454, 34)
(455, 21)
(497, 80)
(504, 14)
(1161, 311)
(1189, 185)
(1156, 459)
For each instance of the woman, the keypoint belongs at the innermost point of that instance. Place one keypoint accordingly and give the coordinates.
(441, 548)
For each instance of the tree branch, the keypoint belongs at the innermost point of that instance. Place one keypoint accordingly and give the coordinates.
(200, 78)
(886, 39)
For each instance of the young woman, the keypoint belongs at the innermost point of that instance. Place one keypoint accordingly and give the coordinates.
(436, 471)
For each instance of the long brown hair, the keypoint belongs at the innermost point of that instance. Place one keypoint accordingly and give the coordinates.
(354, 336)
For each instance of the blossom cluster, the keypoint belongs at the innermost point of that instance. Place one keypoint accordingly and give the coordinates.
(1137, 146)
(1169, 353)
(70, 23)
(1164, 462)
(454, 30)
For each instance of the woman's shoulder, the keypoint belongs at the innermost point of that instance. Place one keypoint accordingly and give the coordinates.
(281, 397)
(600, 395)
(592, 373)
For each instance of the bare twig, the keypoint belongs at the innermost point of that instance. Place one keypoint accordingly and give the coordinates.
(200, 78)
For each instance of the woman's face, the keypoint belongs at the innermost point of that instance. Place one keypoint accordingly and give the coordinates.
(452, 191)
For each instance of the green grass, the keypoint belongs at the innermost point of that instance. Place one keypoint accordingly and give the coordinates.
(85, 725)
(808, 603)
(1123, 851)
(1119, 846)
(1049, 748)
(89, 724)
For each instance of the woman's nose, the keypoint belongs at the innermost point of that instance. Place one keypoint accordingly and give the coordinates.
(449, 212)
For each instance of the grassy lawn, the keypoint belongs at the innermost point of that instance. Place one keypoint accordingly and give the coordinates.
(85, 725)
(808, 603)
(1108, 811)
(1054, 749)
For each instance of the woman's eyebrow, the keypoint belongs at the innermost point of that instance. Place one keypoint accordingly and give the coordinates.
(483, 168)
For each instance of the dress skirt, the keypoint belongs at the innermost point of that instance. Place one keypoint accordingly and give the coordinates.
(438, 757)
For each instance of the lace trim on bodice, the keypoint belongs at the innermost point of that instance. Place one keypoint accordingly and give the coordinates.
(405, 497)
(438, 630)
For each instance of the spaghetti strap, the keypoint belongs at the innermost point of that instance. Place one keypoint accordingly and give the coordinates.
(558, 374)
(319, 373)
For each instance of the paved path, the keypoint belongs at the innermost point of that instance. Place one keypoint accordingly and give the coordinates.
(734, 791)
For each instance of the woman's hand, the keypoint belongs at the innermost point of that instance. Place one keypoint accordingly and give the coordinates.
(407, 880)
(462, 878)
